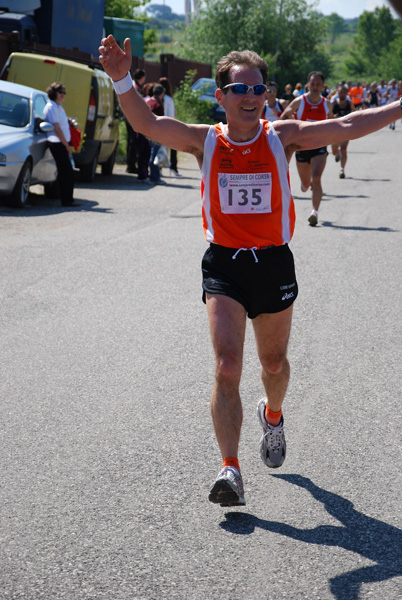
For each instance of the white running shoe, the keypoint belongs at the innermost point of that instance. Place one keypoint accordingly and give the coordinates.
(228, 488)
(273, 443)
(313, 218)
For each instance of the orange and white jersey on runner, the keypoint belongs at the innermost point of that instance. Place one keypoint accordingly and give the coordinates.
(312, 112)
(247, 202)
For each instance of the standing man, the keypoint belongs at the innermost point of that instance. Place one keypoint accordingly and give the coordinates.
(133, 146)
(340, 108)
(248, 218)
(155, 103)
(391, 95)
(311, 163)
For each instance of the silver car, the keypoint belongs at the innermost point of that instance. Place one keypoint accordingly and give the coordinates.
(206, 88)
(24, 156)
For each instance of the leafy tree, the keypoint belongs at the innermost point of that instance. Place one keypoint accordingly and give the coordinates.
(375, 33)
(225, 25)
(122, 9)
(390, 62)
(189, 107)
(126, 9)
(335, 25)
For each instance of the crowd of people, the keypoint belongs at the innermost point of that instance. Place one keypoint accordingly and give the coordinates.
(145, 157)
(316, 102)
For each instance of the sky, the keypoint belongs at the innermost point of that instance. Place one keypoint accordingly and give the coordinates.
(348, 9)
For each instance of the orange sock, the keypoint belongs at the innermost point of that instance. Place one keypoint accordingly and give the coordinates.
(272, 417)
(231, 461)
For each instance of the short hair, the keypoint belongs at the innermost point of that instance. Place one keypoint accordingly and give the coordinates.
(272, 84)
(316, 74)
(246, 58)
(158, 90)
(54, 88)
(139, 74)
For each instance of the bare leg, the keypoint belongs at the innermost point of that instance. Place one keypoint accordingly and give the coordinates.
(227, 321)
(344, 153)
(317, 168)
(272, 333)
(304, 170)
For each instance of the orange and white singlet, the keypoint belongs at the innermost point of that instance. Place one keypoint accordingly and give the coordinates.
(245, 190)
(312, 112)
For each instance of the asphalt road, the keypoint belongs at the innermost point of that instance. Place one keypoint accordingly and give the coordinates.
(107, 449)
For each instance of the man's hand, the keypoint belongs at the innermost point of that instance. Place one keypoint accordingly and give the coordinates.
(114, 60)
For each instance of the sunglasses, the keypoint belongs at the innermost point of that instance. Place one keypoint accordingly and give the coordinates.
(61, 92)
(240, 89)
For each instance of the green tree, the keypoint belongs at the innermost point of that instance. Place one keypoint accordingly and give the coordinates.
(122, 9)
(259, 25)
(335, 25)
(126, 9)
(189, 107)
(375, 33)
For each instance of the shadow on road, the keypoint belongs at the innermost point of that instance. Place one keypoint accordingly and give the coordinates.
(371, 538)
(326, 197)
(357, 227)
(39, 206)
(124, 181)
(366, 179)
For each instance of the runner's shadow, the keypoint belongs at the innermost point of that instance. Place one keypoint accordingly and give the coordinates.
(377, 541)
(357, 227)
(365, 179)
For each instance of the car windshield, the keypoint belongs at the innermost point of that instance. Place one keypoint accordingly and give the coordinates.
(14, 110)
(206, 86)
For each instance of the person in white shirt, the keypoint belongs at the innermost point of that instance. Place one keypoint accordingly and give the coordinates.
(170, 111)
(391, 95)
(58, 141)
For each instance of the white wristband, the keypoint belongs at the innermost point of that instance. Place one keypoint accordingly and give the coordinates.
(123, 85)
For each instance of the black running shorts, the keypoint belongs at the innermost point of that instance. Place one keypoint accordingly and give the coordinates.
(266, 286)
(305, 156)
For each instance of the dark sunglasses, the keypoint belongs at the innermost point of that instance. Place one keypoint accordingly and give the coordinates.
(61, 92)
(240, 89)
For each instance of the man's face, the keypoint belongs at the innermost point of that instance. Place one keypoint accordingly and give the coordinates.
(271, 93)
(316, 84)
(242, 108)
(343, 94)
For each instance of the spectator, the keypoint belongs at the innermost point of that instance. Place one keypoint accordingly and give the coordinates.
(58, 141)
(155, 103)
(170, 111)
(132, 136)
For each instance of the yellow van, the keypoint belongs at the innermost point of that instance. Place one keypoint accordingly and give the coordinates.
(90, 100)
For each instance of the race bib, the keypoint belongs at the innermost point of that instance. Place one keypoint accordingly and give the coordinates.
(245, 193)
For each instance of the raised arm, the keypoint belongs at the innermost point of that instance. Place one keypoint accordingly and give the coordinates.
(169, 132)
(304, 135)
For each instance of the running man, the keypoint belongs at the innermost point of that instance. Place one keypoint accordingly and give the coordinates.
(356, 94)
(311, 163)
(273, 107)
(248, 217)
(340, 108)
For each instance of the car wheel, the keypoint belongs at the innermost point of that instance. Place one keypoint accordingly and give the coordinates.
(20, 194)
(88, 171)
(107, 167)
